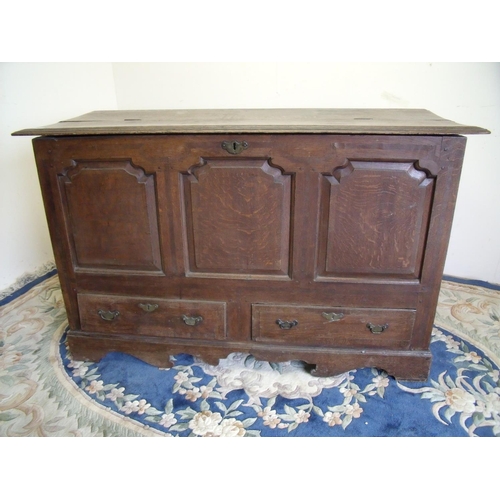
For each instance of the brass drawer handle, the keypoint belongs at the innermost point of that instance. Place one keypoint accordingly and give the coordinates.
(234, 147)
(108, 315)
(332, 316)
(148, 307)
(377, 329)
(192, 320)
(286, 325)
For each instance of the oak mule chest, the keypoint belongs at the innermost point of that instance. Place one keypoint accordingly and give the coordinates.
(292, 234)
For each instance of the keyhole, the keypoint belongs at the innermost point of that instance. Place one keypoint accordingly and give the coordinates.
(234, 147)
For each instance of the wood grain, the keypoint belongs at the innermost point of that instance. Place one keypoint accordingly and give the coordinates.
(314, 329)
(111, 211)
(294, 225)
(308, 120)
(378, 214)
(324, 362)
(237, 215)
(164, 320)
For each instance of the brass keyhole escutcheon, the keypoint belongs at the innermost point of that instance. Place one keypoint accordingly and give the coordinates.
(331, 317)
(234, 147)
(148, 307)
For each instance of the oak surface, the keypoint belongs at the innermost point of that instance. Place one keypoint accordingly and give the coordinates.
(305, 120)
(324, 247)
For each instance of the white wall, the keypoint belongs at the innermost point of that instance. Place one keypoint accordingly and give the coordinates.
(468, 93)
(38, 94)
(33, 94)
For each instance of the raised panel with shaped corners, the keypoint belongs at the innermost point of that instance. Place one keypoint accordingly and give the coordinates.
(237, 216)
(374, 217)
(110, 209)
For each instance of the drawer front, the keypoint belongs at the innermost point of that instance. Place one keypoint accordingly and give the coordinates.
(151, 316)
(329, 327)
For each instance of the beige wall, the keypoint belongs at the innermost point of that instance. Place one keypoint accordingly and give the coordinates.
(37, 94)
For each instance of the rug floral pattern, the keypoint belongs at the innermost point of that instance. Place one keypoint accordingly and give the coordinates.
(44, 392)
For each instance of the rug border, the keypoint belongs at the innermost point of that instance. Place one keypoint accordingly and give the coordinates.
(469, 281)
(88, 402)
(26, 282)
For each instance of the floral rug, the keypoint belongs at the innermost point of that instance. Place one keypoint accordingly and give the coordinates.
(44, 392)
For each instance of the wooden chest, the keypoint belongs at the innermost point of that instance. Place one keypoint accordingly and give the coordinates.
(316, 234)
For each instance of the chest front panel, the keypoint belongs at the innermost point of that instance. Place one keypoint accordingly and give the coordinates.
(244, 241)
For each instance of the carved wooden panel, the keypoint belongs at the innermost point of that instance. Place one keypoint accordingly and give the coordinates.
(374, 218)
(237, 216)
(110, 208)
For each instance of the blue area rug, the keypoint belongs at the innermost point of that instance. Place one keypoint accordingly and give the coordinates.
(197, 399)
(43, 391)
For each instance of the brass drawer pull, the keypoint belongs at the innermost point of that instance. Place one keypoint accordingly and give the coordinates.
(332, 316)
(234, 147)
(377, 329)
(286, 325)
(108, 315)
(148, 307)
(192, 320)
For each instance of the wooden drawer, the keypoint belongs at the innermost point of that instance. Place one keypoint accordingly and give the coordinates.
(336, 326)
(152, 316)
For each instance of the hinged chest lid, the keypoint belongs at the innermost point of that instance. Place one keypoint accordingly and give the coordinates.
(276, 121)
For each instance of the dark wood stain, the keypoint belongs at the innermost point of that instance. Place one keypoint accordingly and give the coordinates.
(165, 242)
